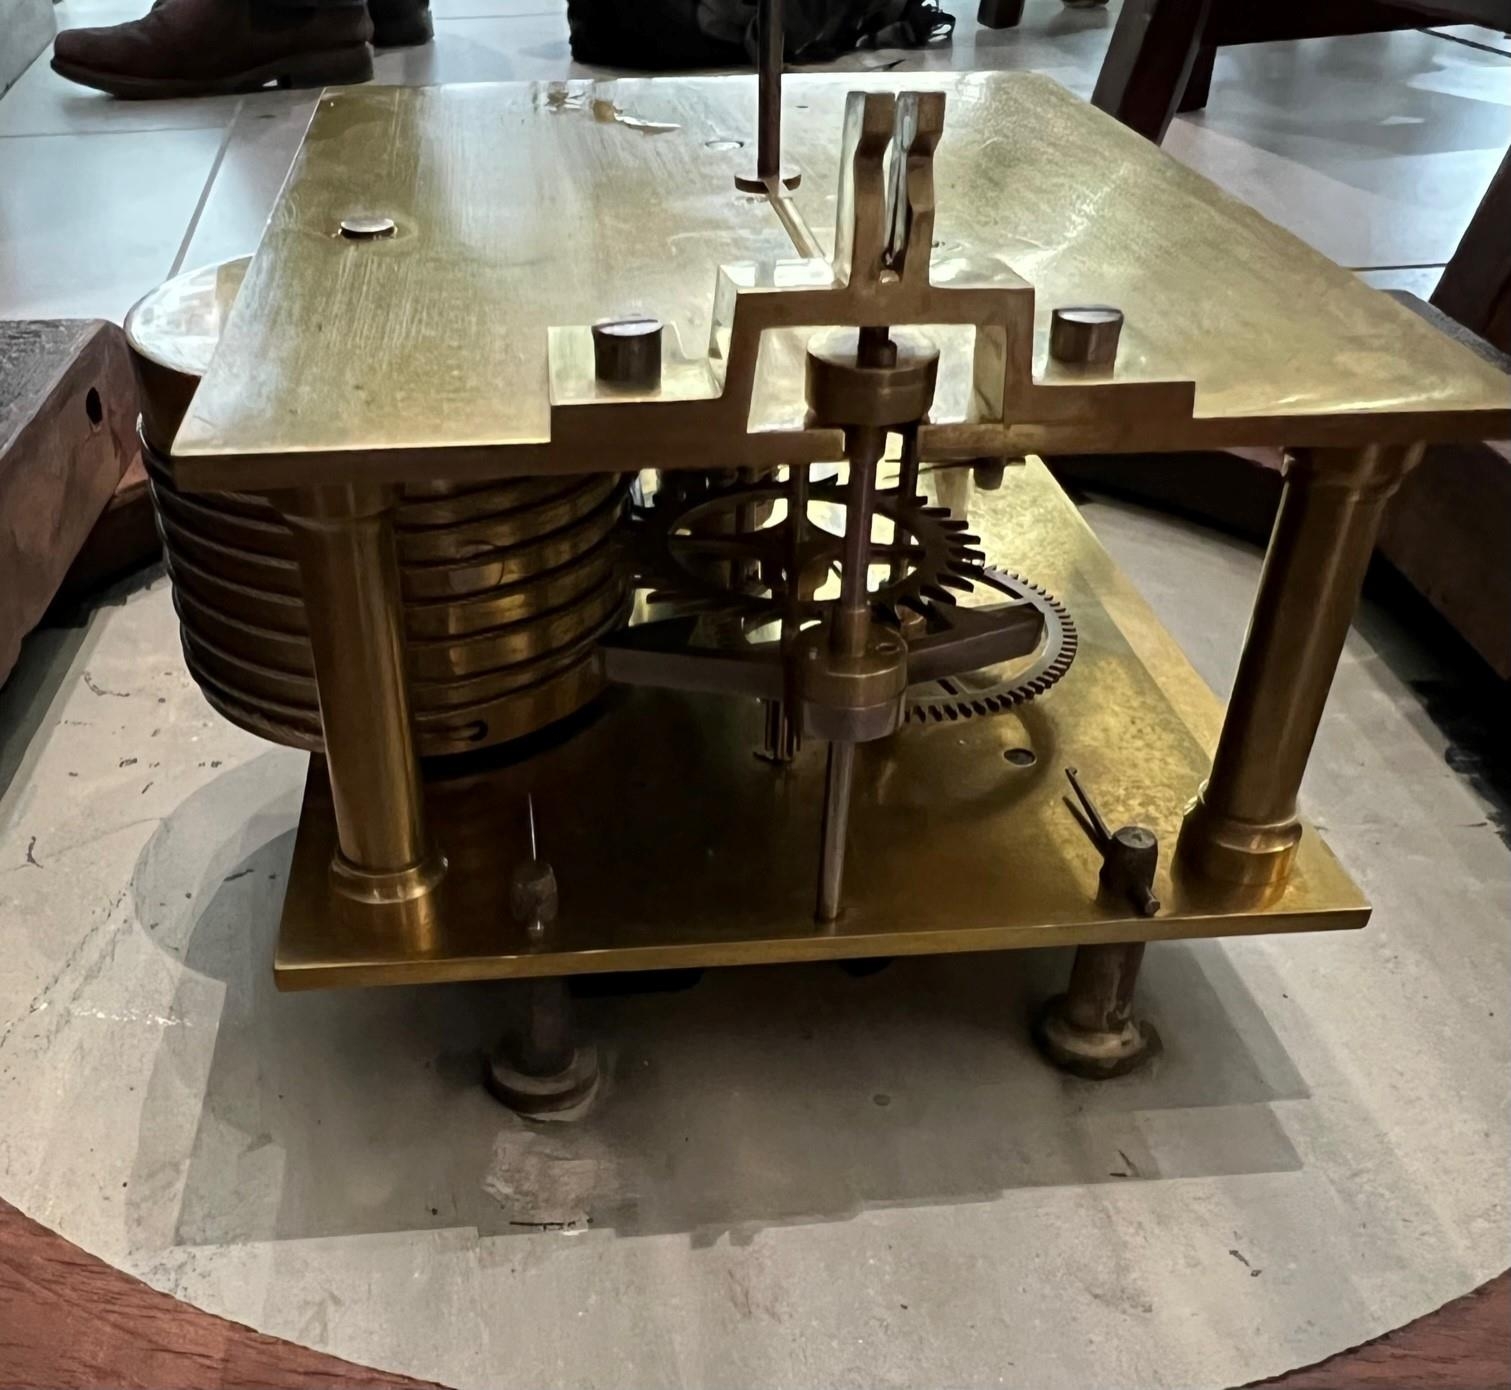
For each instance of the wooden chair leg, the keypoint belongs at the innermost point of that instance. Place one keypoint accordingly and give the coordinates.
(1149, 62)
(1476, 286)
(999, 14)
(1199, 84)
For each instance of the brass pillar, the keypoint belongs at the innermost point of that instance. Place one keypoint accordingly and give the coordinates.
(349, 571)
(1242, 827)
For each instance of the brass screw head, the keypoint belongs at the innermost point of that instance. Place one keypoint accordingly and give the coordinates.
(367, 228)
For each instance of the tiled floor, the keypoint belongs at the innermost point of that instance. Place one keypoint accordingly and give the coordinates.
(1375, 149)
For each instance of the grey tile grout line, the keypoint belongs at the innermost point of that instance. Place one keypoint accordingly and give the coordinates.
(531, 14)
(204, 193)
(79, 134)
(1411, 265)
(1468, 43)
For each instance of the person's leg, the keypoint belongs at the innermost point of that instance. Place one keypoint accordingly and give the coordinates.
(400, 23)
(205, 47)
(396, 23)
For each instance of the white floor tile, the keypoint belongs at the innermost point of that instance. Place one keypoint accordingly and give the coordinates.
(26, 28)
(487, 9)
(1376, 149)
(92, 222)
(1419, 280)
(260, 148)
(80, 14)
(1416, 217)
(1475, 34)
(42, 103)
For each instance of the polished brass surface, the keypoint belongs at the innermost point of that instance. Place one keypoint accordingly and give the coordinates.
(1283, 347)
(1243, 826)
(507, 585)
(173, 333)
(708, 855)
(879, 278)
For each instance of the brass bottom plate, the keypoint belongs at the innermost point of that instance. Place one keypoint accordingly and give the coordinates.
(674, 845)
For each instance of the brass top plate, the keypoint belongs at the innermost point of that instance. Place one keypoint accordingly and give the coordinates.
(525, 207)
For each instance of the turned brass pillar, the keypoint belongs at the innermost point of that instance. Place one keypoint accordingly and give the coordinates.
(1242, 827)
(349, 573)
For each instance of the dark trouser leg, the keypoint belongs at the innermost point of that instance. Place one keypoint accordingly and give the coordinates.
(538, 1067)
(1090, 1030)
(396, 23)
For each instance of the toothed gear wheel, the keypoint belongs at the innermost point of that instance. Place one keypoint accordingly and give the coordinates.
(677, 541)
(997, 688)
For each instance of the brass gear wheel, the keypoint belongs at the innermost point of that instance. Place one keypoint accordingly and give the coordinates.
(974, 693)
(683, 551)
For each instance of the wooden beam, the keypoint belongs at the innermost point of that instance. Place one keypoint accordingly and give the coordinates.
(67, 434)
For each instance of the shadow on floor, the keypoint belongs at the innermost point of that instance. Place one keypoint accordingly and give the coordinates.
(761, 1095)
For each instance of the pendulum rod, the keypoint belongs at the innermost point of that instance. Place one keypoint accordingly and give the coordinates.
(907, 491)
(787, 721)
(852, 620)
(907, 472)
(769, 177)
(769, 101)
(838, 778)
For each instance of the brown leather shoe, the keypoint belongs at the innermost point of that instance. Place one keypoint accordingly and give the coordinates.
(186, 48)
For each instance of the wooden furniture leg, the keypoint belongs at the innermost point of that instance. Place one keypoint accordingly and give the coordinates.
(67, 434)
(1476, 286)
(1149, 62)
(999, 14)
(1199, 84)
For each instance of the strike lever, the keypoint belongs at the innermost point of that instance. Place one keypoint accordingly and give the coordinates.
(1129, 854)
